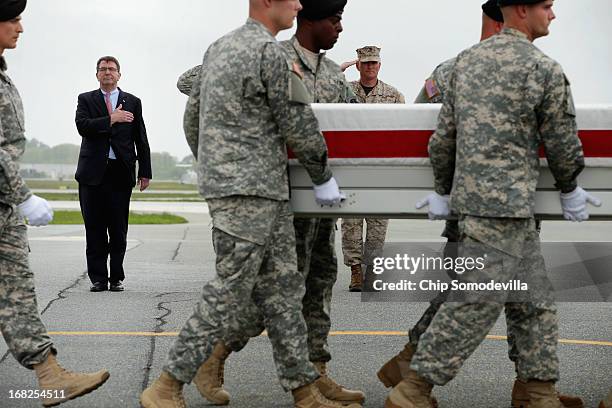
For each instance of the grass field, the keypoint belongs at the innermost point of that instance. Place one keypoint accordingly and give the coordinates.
(59, 196)
(75, 218)
(73, 185)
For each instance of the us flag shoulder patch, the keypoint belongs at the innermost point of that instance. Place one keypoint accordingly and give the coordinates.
(431, 88)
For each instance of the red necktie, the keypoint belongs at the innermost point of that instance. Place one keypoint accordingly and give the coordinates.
(108, 103)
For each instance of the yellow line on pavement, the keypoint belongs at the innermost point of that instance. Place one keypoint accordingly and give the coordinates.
(333, 333)
(112, 334)
(367, 333)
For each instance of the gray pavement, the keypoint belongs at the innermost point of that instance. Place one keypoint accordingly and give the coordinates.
(166, 267)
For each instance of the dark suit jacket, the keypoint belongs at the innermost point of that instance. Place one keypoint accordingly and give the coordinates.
(129, 140)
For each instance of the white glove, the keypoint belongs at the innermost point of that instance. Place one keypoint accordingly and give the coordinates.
(574, 204)
(439, 208)
(329, 193)
(37, 210)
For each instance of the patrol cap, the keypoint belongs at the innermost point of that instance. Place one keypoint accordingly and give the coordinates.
(504, 3)
(320, 9)
(368, 53)
(9, 9)
(492, 10)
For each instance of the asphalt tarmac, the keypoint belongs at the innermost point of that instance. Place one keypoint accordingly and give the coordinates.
(129, 333)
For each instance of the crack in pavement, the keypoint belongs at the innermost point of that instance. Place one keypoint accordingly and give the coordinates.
(180, 243)
(61, 295)
(161, 322)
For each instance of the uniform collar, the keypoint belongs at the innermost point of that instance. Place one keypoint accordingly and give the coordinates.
(300, 52)
(377, 90)
(3, 66)
(514, 33)
(259, 26)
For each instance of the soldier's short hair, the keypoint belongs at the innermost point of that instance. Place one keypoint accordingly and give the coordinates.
(108, 58)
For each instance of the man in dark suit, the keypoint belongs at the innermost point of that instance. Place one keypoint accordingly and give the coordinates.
(113, 139)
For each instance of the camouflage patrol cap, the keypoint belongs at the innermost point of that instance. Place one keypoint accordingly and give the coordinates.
(10, 9)
(314, 10)
(368, 53)
(492, 10)
(504, 3)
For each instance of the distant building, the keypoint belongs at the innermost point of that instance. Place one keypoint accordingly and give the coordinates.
(47, 170)
(189, 177)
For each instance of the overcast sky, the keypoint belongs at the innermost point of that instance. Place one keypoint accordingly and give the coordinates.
(156, 40)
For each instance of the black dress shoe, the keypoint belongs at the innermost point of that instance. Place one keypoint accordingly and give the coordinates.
(98, 287)
(117, 287)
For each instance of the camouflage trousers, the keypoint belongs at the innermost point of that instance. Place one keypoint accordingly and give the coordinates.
(22, 329)
(451, 232)
(316, 260)
(354, 249)
(457, 328)
(256, 263)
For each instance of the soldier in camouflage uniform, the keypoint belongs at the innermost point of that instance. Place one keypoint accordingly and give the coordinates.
(395, 369)
(319, 25)
(20, 324)
(369, 89)
(500, 88)
(247, 104)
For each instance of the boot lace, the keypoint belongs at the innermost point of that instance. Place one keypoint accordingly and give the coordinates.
(177, 397)
(331, 383)
(221, 371)
(321, 399)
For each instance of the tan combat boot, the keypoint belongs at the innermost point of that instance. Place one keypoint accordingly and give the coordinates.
(542, 394)
(520, 398)
(607, 403)
(165, 392)
(209, 378)
(334, 391)
(356, 278)
(65, 385)
(412, 392)
(309, 396)
(396, 369)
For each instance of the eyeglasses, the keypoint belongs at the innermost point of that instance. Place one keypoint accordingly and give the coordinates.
(104, 69)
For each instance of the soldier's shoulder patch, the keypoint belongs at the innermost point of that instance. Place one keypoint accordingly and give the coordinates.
(296, 68)
(432, 88)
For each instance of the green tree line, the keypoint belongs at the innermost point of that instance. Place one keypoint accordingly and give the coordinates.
(164, 164)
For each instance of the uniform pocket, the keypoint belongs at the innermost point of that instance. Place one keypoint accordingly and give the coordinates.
(297, 90)
(18, 111)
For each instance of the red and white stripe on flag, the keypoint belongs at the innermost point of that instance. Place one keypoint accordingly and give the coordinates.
(403, 131)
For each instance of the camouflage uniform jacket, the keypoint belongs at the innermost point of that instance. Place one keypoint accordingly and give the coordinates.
(505, 99)
(247, 105)
(186, 80)
(13, 190)
(326, 81)
(382, 93)
(436, 85)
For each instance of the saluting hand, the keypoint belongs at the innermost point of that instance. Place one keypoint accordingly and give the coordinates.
(347, 64)
(121, 116)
